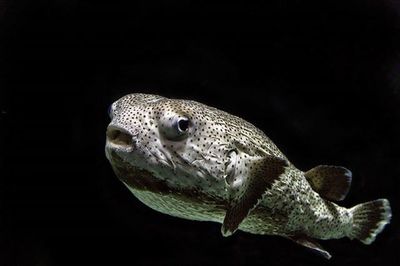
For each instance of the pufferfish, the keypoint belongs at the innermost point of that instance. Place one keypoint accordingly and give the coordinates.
(192, 161)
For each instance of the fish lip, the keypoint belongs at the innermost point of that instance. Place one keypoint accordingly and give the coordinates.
(119, 139)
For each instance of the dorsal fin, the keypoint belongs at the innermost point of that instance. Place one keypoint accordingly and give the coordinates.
(312, 244)
(331, 182)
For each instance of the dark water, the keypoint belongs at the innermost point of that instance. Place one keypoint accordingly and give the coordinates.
(320, 78)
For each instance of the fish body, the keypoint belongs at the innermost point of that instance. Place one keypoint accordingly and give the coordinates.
(192, 161)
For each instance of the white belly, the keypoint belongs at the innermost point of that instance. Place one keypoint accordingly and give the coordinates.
(180, 206)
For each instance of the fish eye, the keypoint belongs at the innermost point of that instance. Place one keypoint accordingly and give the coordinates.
(110, 111)
(174, 127)
(183, 124)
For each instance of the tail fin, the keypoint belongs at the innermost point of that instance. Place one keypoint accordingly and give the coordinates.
(369, 219)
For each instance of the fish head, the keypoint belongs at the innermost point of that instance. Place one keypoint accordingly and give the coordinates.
(158, 143)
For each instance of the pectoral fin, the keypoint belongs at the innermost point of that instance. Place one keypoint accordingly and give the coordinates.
(331, 182)
(262, 174)
(312, 244)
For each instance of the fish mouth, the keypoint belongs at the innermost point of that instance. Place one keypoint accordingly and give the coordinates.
(119, 138)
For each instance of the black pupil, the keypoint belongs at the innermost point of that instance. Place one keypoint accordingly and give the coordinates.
(183, 124)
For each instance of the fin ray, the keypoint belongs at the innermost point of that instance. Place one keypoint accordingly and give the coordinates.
(369, 219)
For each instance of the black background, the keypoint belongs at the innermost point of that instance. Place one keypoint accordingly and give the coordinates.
(321, 78)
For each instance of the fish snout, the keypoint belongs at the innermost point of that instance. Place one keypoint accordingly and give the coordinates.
(119, 138)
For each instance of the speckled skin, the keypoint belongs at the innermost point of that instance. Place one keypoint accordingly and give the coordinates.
(213, 160)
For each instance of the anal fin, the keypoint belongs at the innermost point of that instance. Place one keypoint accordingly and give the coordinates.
(312, 244)
(331, 182)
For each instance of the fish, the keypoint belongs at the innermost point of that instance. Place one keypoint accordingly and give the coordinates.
(192, 161)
